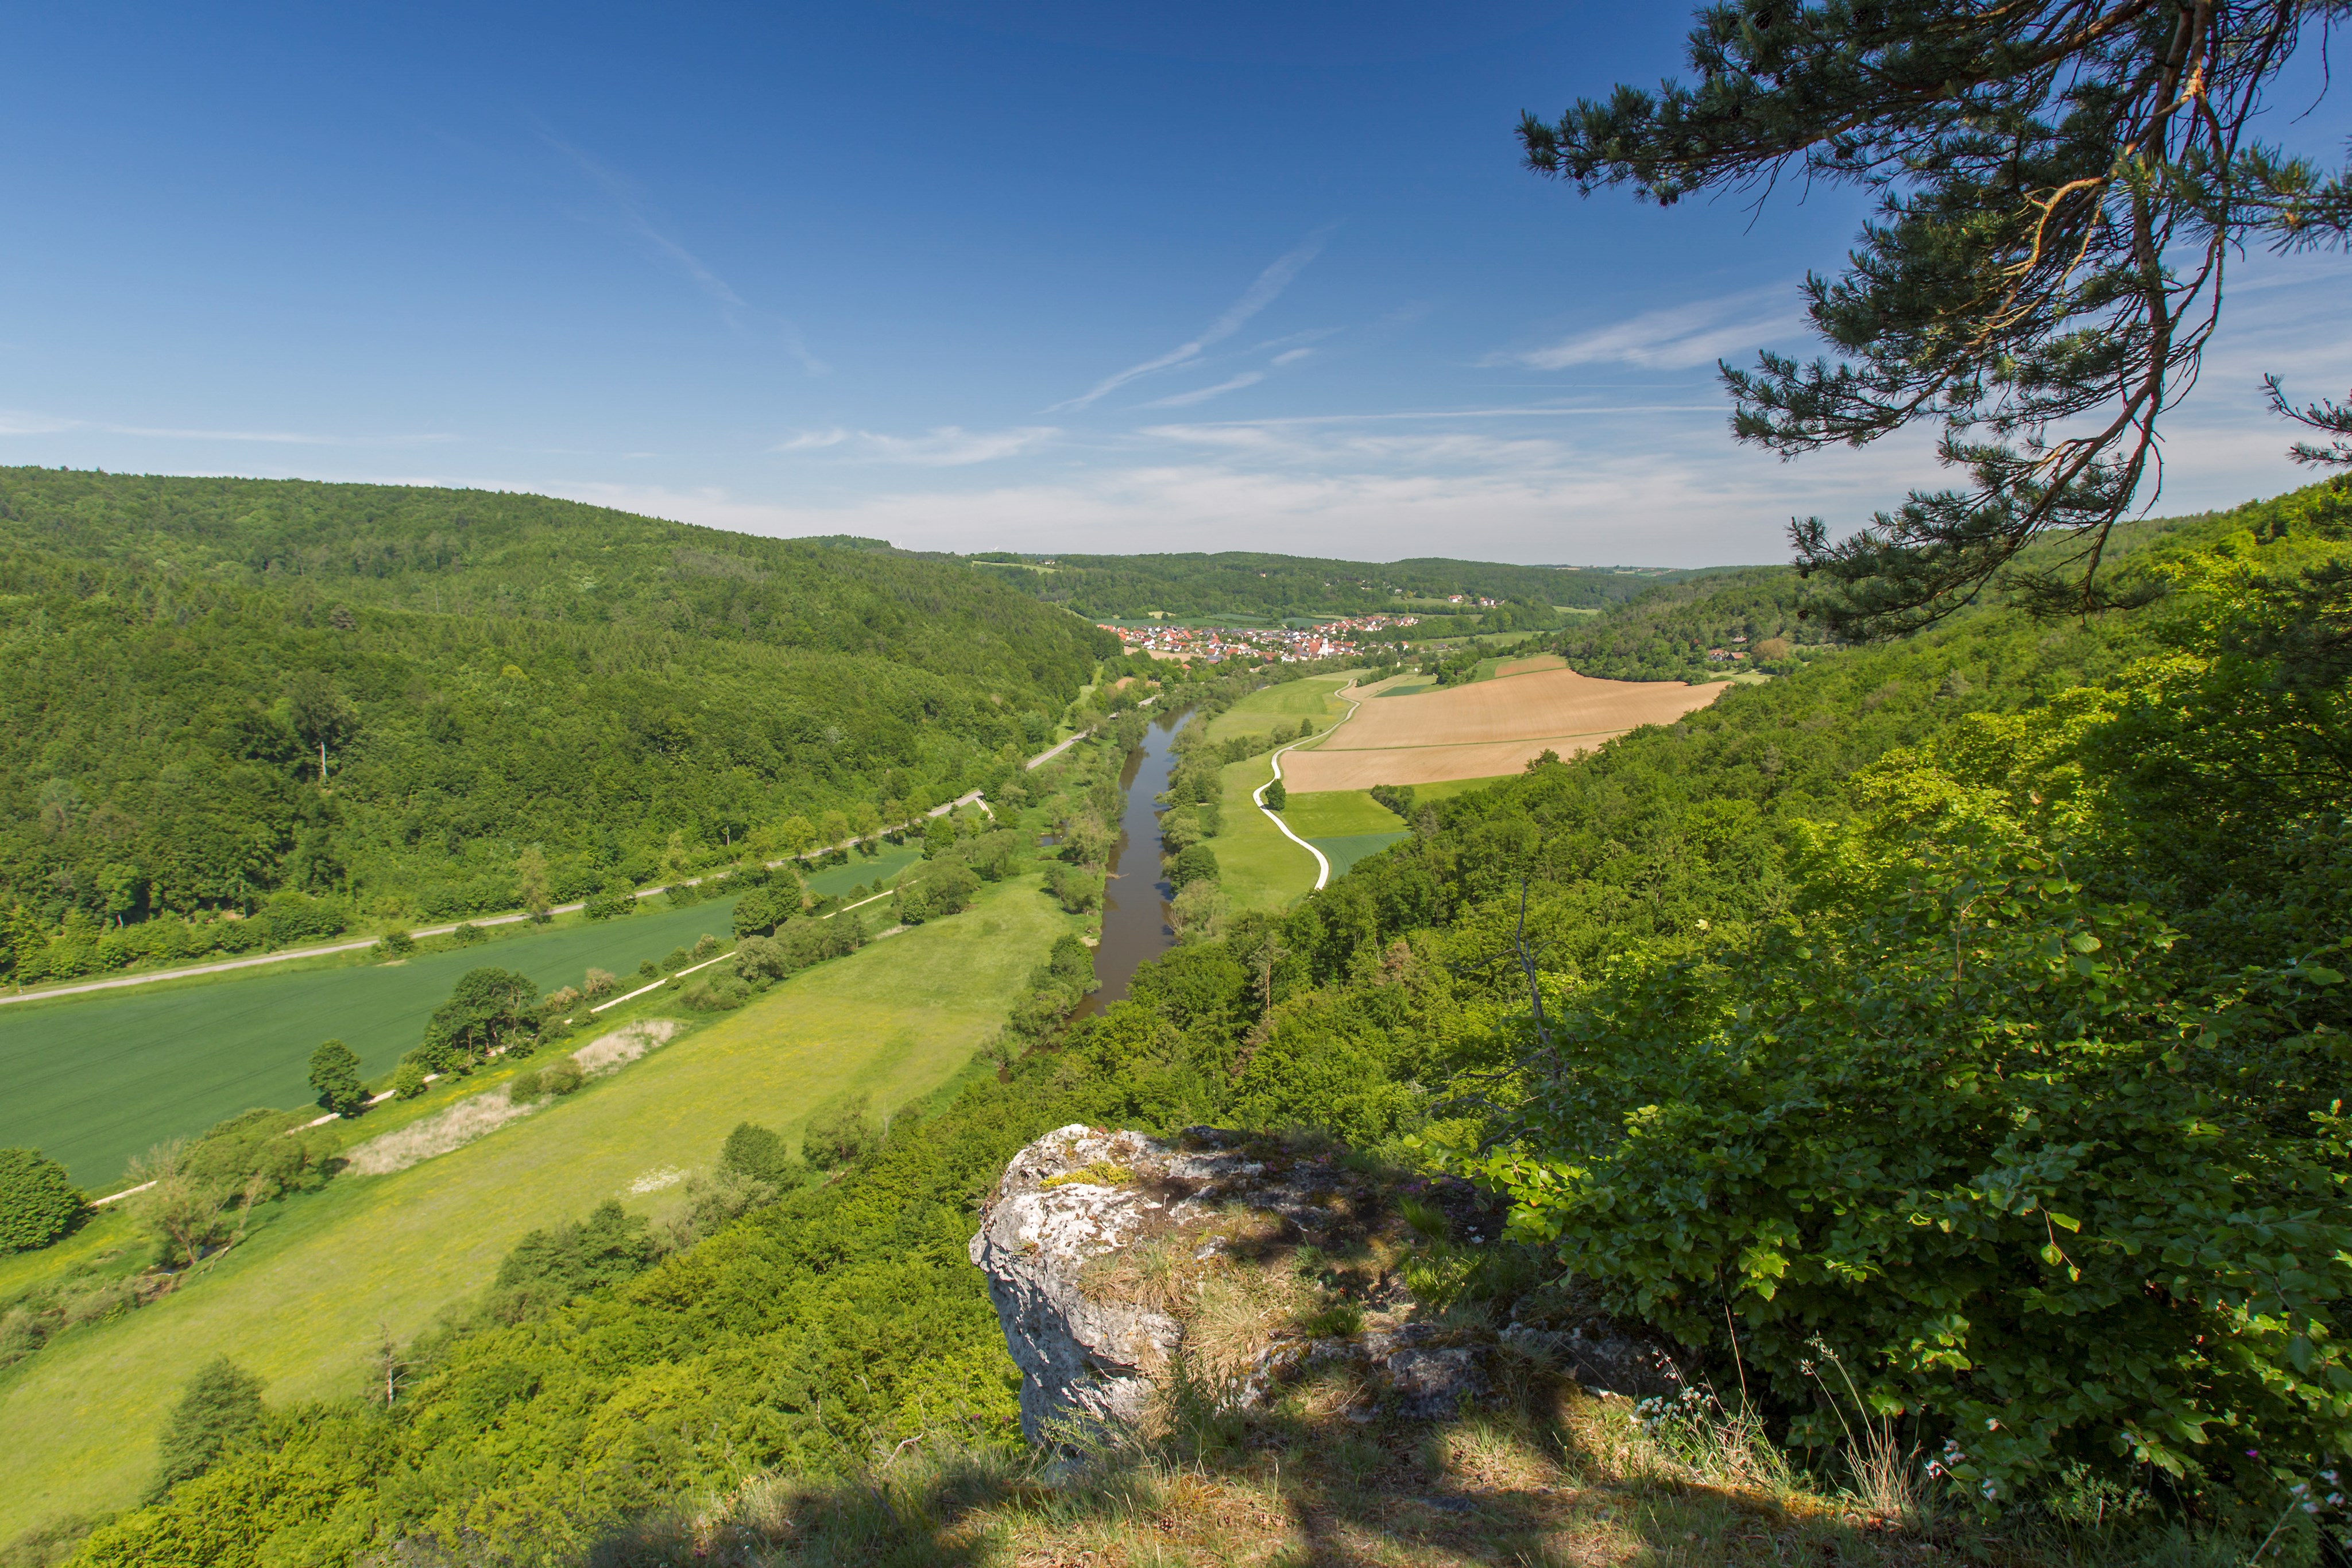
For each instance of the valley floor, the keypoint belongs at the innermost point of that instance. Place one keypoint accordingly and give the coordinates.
(307, 1297)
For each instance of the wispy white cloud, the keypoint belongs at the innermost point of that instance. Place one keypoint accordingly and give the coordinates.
(1290, 356)
(17, 423)
(1255, 298)
(1202, 394)
(1674, 338)
(948, 446)
(739, 314)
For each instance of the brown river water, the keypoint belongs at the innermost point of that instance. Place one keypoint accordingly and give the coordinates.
(1135, 928)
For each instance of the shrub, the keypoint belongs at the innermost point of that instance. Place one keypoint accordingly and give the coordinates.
(598, 983)
(764, 908)
(716, 995)
(1967, 1139)
(680, 895)
(838, 1130)
(1397, 798)
(1198, 864)
(610, 906)
(1077, 891)
(220, 1412)
(466, 933)
(553, 1266)
(408, 1077)
(939, 838)
(1275, 795)
(947, 888)
(753, 1151)
(523, 1088)
(37, 1202)
(486, 1009)
(395, 945)
(335, 1077)
(677, 958)
(561, 1076)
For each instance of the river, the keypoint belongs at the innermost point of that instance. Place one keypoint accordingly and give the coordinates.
(1135, 928)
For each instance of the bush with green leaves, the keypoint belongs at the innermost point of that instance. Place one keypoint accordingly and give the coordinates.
(335, 1078)
(219, 1413)
(768, 905)
(488, 1010)
(838, 1130)
(762, 1155)
(945, 888)
(38, 1202)
(1197, 863)
(1974, 1139)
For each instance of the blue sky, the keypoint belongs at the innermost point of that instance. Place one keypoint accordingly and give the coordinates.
(1025, 275)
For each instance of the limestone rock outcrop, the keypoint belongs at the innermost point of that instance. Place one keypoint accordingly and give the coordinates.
(1110, 1255)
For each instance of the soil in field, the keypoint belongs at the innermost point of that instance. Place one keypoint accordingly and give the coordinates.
(1485, 728)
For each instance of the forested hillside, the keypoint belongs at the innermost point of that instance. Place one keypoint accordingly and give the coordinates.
(222, 691)
(1270, 587)
(1967, 1011)
(1667, 632)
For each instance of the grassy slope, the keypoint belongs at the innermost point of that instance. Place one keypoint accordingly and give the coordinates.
(300, 1303)
(94, 1080)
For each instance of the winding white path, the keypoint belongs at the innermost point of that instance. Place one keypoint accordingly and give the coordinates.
(1257, 796)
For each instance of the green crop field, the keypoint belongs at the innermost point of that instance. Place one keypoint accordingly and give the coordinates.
(94, 1080)
(838, 882)
(301, 1300)
(1446, 789)
(1344, 852)
(1338, 813)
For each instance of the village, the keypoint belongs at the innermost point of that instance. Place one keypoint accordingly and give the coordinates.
(1274, 645)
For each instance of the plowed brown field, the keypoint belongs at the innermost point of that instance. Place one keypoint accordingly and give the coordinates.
(1485, 729)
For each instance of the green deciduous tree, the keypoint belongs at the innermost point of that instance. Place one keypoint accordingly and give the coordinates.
(488, 1008)
(220, 1412)
(2060, 186)
(335, 1078)
(839, 1131)
(38, 1203)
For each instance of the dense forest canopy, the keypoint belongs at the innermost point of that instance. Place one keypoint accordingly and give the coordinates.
(221, 691)
(1271, 587)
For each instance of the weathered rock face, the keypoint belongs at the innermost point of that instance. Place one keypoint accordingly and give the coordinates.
(1081, 1359)
(1102, 1247)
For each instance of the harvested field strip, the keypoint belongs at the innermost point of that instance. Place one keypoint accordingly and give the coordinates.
(1545, 704)
(1424, 765)
(1529, 666)
(1449, 745)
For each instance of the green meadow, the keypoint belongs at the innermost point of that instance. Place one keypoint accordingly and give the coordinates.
(1285, 705)
(95, 1080)
(1258, 868)
(302, 1302)
(1345, 824)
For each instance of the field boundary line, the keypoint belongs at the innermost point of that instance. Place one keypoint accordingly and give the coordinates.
(1506, 740)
